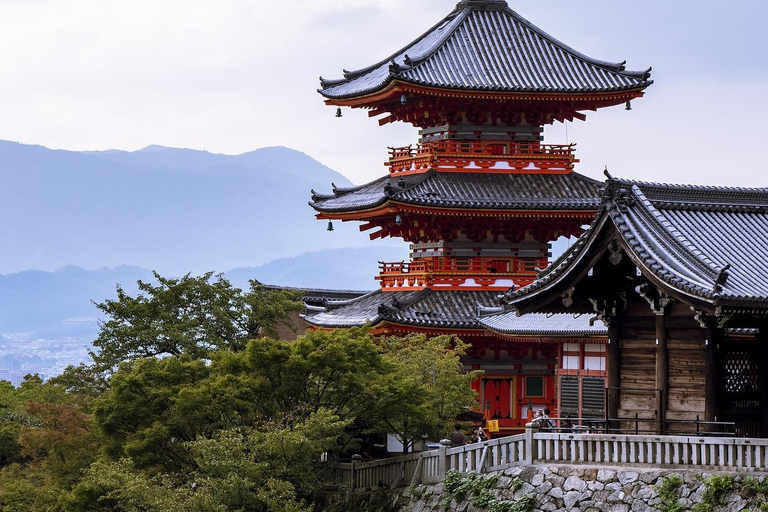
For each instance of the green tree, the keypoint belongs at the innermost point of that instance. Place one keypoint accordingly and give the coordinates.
(435, 386)
(190, 315)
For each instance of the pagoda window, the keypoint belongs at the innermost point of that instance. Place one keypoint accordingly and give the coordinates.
(534, 387)
(581, 378)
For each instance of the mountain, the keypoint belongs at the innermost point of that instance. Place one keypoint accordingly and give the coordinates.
(48, 319)
(335, 269)
(174, 210)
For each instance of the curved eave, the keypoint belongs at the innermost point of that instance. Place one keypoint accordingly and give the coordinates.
(372, 323)
(394, 88)
(551, 337)
(390, 207)
(390, 326)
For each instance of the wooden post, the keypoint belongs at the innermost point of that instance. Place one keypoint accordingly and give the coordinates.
(662, 372)
(442, 459)
(613, 375)
(356, 458)
(530, 444)
(711, 412)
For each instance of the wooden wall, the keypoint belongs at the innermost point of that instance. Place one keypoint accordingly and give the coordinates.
(683, 395)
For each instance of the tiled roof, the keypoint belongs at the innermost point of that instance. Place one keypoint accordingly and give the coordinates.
(425, 308)
(543, 324)
(570, 191)
(709, 242)
(484, 45)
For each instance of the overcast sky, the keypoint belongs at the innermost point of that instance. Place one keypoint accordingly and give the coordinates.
(230, 76)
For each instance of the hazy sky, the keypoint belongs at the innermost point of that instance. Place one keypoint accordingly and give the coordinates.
(230, 76)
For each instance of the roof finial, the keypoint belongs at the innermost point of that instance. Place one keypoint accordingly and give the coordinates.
(607, 174)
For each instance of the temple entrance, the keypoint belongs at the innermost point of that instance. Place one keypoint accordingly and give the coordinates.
(497, 398)
(741, 388)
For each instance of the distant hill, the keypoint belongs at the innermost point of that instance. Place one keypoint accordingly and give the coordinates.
(336, 269)
(175, 210)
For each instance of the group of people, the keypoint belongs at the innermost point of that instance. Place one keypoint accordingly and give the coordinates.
(540, 417)
(458, 438)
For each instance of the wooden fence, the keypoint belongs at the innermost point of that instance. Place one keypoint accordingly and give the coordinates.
(673, 452)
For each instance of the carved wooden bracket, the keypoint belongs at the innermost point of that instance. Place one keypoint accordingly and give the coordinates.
(606, 309)
(567, 297)
(661, 303)
(615, 252)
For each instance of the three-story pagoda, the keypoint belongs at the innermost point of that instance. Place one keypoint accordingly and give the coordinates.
(480, 196)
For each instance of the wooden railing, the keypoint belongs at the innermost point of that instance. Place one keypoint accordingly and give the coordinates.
(678, 452)
(485, 154)
(446, 270)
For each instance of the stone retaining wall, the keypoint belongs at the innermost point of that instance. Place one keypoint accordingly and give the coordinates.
(578, 489)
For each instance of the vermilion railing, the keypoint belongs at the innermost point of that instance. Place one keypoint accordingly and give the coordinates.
(484, 154)
(445, 271)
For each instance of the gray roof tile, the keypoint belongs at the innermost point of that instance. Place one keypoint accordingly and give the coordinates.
(484, 45)
(686, 235)
(425, 308)
(543, 324)
(570, 191)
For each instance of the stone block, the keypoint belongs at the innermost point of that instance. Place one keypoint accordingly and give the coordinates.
(537, 480)
(555, 480)
(619, 507)
(556, 492)
(650, 477)
(571, 498)
(627, 477)
(544, 488)
(606, 475)
(594, 485)
(640, 506)
(574, 483)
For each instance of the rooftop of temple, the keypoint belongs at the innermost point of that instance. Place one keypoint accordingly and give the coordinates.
(484, 47)
(703, 245)
(467, 190)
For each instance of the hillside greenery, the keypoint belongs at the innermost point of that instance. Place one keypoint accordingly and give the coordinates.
(191, 406)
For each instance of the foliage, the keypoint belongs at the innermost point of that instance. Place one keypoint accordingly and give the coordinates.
(190, 315)
(435, 387)
(667, 494)
(216, 419)
(479, 491)
(716, 487)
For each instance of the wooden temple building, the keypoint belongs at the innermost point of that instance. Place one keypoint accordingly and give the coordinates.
(679, 274)
(479, 198)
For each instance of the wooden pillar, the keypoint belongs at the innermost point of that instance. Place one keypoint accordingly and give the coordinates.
(761, 340)
(711, 411)
(613, 372)
(662, 372)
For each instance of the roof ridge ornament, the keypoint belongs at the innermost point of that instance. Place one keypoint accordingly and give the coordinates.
(721, 279)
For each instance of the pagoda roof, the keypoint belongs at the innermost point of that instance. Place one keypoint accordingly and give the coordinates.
(423, 308)
(483, 45)
(706, 245)
(543, 324)
(467, 190)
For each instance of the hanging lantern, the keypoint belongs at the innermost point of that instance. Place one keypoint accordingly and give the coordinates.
(338, 112)
(330, 225)
(629, 106)
(403, 100)
(398, 220)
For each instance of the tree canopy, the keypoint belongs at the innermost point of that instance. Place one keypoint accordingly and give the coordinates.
(199, 411)
(190, 315)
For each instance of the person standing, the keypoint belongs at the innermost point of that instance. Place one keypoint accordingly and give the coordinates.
(457, 437)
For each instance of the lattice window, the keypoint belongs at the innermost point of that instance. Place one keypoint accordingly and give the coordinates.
(569, 396)
(593, 397)
(742, 373)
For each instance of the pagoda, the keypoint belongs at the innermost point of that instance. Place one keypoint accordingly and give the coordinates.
(480, 196)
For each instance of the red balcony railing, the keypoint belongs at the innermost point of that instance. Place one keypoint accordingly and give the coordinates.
(447, 271)
(457, 154)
